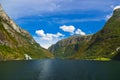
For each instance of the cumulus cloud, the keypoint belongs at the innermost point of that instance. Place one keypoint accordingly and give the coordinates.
(48, 36)
(79, 32)
(47, 39)
(40, 33)
(70, 29)
(116, 7)
(45, 43)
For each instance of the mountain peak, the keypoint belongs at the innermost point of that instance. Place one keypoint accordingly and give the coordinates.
(1, 7)
(116, 12)
(3, 14)
(117, 8)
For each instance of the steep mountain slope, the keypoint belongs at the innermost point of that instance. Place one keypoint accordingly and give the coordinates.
(106, 42)
(68, 47)
(15, 42)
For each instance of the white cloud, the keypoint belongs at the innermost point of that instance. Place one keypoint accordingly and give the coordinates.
(17, 8)
(116, 7)
(57, 35)
(70, 29)
(48, 36)
(46, 40)
(108, 16)
(46, 43)
(42, 42)
(79, 32)
(40, 33)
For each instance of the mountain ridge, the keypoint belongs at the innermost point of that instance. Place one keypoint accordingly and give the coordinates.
(105, 44)
(15, 42)
(69, 46)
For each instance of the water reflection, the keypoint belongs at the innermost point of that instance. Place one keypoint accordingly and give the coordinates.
(46, 70)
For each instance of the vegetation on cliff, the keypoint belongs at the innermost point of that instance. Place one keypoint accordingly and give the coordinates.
(15, 42)
(104, 44)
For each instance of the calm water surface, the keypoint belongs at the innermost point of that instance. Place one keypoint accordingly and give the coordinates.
(60, 70)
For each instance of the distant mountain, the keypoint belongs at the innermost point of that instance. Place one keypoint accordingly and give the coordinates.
(68, 47)
(106, 42)
(16, 42)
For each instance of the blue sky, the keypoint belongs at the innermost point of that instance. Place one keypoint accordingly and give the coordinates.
(51, 20)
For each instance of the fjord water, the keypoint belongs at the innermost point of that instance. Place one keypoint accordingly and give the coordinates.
(60, 70)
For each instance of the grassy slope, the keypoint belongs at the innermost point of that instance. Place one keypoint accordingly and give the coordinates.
(15, 49)
(105, 42)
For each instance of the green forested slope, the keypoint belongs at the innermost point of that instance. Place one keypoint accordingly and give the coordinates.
(104, 44)
(15, 42)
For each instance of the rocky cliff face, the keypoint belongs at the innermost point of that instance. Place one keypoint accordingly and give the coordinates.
(69, 46)
(15, 42)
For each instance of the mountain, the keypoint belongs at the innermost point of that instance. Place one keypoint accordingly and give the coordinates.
(103, 45)
(68, 47)
(106, 42)
(16, 42)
